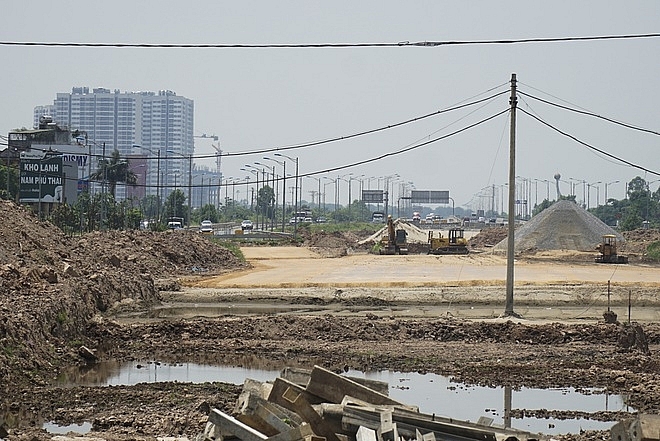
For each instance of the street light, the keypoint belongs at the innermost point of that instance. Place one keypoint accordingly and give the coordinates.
(295, 222)
(348, 204)
(256, 173)
(283, 164)
(318, 180)
(594, 184)
(333, 181)
(606, 184)
(584, 184)
(272, 217)
(547, 189)
(256, 204)
(190, 158)
(157, 179)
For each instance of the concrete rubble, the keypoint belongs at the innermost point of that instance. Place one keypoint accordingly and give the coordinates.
(320, 405)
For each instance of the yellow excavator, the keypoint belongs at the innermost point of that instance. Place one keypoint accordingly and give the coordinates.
(394, 242)
(608, 251)
(454, 243)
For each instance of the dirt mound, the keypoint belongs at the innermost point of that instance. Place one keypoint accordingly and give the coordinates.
(637, 241)
(414, 234)
(488, 237)
(51, 284)
(334, 244)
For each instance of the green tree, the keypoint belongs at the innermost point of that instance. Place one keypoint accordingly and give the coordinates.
(174, 205)
(542, 206)
(113, 170)
(266, 201)
(642, 206)
(10, 173)
(149, 206)
(65, 217)
(208, 212)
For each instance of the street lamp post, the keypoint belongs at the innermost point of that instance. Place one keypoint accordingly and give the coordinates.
(283, 164)
(348, 181)
(273, 203)
(606, 184)
(256, 203)
(594, 184)
(584, 196)
(295, 223)
(190, 161)
(157, 178)
(331, 181)
(324, 193)
(318, 199)
(256, 173)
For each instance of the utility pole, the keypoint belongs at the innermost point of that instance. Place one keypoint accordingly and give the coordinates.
(190, 188)
(513, 101)
(103, 202)
(157, 189)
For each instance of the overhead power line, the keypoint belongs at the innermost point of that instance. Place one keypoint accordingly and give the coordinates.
(365, 132)
(407, 149)
(341, 138)
(584, 112)
(326, 45)
(589, 146)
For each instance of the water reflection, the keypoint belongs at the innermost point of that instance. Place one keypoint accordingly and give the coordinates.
(432, 393)
(55, 428)
(439, 395)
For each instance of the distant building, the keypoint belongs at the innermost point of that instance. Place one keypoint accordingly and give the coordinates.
(147, 125)
(52, 164)
(41, 111)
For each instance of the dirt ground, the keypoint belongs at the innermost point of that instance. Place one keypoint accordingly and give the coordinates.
(170, 297)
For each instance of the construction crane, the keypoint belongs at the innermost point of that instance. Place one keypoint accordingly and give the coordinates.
(204, 135)
(218, 156)
(218, 152)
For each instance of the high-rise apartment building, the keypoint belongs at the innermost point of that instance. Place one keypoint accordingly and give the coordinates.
(157, 127)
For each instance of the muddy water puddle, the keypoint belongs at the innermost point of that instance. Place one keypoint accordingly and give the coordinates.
(434, 394)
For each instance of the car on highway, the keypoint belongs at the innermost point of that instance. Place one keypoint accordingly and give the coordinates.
(246, 225)
(206, 227)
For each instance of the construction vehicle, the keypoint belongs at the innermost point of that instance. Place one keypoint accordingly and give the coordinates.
(394, 242)
(608, 251)
(454, 243)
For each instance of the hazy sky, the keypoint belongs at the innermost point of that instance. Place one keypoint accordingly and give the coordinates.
(266, 98)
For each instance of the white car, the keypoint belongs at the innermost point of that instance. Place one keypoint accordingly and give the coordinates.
(246, 225)
(206, 226)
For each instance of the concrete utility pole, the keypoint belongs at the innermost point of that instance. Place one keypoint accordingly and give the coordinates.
(513, 101)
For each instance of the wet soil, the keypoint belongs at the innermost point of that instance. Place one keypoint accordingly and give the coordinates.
(58, 293)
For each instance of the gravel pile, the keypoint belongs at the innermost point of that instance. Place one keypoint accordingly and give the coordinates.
(562, 226)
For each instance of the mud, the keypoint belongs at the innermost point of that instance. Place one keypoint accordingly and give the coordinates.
(58, 293)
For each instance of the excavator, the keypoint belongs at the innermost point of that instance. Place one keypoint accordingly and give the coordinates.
(394, 242)
(608, 251)
(454, 243)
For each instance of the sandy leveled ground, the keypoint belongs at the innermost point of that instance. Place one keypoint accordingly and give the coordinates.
(301, 267)
(551, 286)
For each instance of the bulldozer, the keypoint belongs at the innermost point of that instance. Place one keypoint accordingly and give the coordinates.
(394, 242)
(608, 251)
(454, 243)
